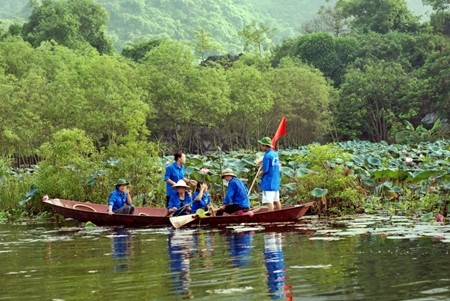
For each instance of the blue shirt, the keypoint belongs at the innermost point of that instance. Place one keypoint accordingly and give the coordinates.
(237, 194)
(176, 202)
(271, 167)
(117, 199)
(175, 173)
(202, 203)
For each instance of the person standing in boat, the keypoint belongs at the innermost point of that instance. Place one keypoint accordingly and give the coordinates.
(120, 199)
(270, 175)
(201, 197)
(236, 197)
(180, 202)
(174, 173)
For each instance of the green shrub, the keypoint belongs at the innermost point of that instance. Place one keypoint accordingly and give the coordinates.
(326, 171)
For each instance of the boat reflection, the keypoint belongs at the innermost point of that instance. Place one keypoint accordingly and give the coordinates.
(276, 270)
(122, 245)
(180, 246)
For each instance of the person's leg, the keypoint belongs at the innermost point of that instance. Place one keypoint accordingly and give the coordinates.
(267, 199)
(131, 209)
(123, 210)
(167, 200)
(276, 200)
(230, 209)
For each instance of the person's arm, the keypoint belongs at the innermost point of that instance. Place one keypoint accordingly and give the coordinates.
(201, 192)
(190, 182)
(128, 200)
(229, 194)
(111, 203)
(168, 175)
(264, 166)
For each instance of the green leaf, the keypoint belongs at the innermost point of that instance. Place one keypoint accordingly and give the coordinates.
(319, 192)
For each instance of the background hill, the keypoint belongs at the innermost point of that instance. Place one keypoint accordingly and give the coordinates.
(135, 20)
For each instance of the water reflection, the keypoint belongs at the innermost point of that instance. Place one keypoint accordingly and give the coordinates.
(180, 245)
(240, 246)
(122, 245)
(276, 271)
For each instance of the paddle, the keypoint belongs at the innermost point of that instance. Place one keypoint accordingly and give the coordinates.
(254, 180)
(180, 221)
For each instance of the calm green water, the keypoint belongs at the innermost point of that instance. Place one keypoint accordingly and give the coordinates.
(316, 260)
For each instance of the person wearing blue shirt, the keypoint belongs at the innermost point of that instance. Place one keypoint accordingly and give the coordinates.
(236, 197)
(270, 175)
(180, 202)
(120, 199)
(174, 173)
(201, 197)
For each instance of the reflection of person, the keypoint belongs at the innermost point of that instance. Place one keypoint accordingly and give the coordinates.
(270, 175)
(120, 199)
(180, 202)
(201, 198)
(122, 248)
(241, 245)
(174, 173)
(236, 197)
(274, 261)
(179, 246)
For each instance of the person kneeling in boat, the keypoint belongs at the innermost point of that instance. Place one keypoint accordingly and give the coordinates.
(180, 202)
(201, 197)
(120, 199)
(236, 197)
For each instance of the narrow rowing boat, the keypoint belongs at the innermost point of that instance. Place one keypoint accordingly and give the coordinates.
(157, 217)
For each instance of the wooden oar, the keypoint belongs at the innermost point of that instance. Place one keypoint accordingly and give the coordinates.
(254, 180)
(180, 221)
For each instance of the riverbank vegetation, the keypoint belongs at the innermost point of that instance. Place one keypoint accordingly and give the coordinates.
(77, 114)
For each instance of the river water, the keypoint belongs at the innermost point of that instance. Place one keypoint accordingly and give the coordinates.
(357, 258)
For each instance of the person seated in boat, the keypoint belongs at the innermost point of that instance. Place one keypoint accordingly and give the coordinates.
(201, 198)
(236, 197)
(180, 202)
(120, 199)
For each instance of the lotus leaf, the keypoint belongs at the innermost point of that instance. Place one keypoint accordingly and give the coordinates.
(319, 192)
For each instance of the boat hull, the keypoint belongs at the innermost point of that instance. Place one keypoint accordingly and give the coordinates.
(157, 217)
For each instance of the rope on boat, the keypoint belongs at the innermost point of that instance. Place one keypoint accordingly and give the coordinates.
(85, 206)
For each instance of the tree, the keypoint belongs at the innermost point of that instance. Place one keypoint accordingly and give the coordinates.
(251, 100)
(435, 78)
(303, 95)
(256, 37)
(329, 19)
(379, 16)
(440, 21)
(330, 55)
(75, 24)
(374, 95)
(187, 97)
(437, 4)
(138, 51)
(204, 44)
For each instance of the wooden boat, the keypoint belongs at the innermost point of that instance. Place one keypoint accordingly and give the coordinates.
(157, 217)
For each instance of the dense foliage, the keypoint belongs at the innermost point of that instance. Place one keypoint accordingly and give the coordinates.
(88, 114)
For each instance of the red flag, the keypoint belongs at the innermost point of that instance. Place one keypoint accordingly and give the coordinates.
(281, 131)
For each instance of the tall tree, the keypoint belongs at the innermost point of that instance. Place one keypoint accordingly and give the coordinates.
(329, 19)
(256, 37)
(204, 44)
(374, 95)
(72, 23)
(379, 16)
